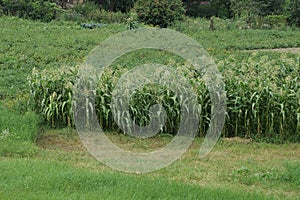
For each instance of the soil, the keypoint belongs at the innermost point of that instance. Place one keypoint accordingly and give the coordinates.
(54, 142)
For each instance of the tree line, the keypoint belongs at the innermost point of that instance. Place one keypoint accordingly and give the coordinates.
(226, 9)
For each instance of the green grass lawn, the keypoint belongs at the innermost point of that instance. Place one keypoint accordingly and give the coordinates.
(37, 179)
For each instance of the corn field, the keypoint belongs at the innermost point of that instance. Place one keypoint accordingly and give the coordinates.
(263, 98)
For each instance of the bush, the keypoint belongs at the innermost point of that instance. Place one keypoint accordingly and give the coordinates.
(30, 9)
(90, 11)
(294, 9)
(276, 21)
(159, 12)
(123, 6)
(108, 17)
(200, 9)
(86, 8)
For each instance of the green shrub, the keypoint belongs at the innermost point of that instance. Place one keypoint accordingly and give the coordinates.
(199, 9)
(1, 10)
(123, 6)
(108, 17)
(71, 16)
(132, 22)
(86, 8)
(276, 21)
(294, 10)
(91, 12)
(30, 9)
(159, 12)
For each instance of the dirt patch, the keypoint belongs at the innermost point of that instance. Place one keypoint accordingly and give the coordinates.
(56, 142)
(238, 140)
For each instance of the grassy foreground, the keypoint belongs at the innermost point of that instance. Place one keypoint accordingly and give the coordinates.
(28, 179)
(61, 168)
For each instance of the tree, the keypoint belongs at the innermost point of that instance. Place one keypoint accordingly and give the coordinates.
(244, 8)
(196, 8)
(115, 5)
(159, 12)
(222, 8)
(294, 9)
(271, 7)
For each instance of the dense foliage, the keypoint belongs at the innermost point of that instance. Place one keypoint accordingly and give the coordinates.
(256, 13)
(90, 12)
(115, 5)
(160, 12)
(248, 10)
(31, 9)
(294, 9)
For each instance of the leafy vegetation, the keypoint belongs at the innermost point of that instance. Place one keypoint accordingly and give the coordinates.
(159, 13)
(249, 11)
(91, 12)
(30, 9)
(263, 97)
(115, 5)
(255, 13)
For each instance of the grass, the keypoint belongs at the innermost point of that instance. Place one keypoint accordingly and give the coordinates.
(236, 168)
(18, 126)
(29, 179)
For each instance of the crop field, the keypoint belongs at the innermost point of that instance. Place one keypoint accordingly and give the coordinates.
(42, 157)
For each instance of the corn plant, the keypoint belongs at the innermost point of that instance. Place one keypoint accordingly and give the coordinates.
(51, 94)
(263, 98)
